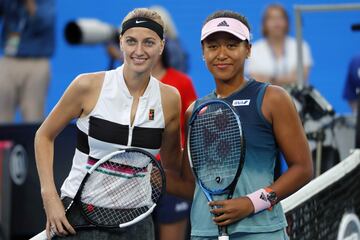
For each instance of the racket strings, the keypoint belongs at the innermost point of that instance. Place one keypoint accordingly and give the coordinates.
(121, 189)
(156, 184)
(215, 160)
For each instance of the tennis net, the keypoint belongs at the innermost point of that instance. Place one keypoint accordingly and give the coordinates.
(318, 209)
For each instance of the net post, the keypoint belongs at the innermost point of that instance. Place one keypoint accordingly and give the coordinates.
(300, 63)
(299, 9)
(357, 134)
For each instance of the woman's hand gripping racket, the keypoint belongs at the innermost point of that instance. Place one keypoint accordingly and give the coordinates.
(216, 149)
(118, 190)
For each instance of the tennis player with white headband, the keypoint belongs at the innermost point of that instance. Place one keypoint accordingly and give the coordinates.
(270, 124)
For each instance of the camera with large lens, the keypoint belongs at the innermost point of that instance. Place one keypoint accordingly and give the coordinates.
(90, 31)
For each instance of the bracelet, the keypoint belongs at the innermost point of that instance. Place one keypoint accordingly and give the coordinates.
(259, 200)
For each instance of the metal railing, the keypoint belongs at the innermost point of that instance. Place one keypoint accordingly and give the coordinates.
(299, 9)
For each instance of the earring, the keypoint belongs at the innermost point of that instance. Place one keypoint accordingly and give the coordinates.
(203, 58)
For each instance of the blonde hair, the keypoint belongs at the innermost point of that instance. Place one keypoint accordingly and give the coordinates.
(145, 13)
(171, 30)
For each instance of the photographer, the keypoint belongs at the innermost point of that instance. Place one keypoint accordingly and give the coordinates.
(28, 42)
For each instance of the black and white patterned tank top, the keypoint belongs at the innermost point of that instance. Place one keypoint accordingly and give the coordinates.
(107, 128)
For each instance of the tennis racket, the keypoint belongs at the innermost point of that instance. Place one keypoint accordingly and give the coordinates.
(216, 149)
(118, 190)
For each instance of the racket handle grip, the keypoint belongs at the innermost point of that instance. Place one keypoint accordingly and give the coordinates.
(42, 236)
(223, 238)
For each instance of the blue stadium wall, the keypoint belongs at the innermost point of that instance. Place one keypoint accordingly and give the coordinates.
(328, 33)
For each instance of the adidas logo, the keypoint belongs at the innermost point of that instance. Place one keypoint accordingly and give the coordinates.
(223, 24)
(262, 197)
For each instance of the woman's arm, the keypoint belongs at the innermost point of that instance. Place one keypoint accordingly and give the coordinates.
(182, 183)
(70, 106)
(291, 78)
(179, 179)
(290, 136)
(170, 150)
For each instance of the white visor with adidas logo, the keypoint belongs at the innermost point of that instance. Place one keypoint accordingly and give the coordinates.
(230, 25)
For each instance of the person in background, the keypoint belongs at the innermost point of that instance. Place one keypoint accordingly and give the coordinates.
(177, 56)
(273, 58)
(172, 213)
(351, 91)
(28, 42)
